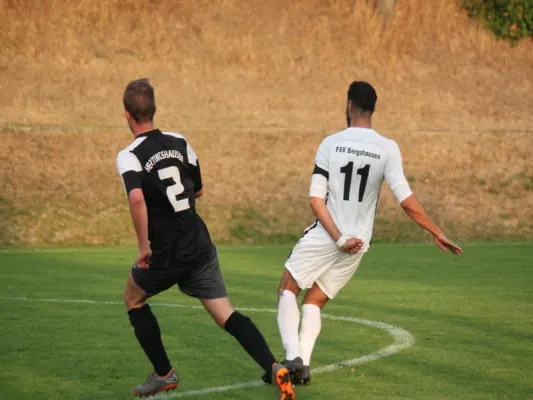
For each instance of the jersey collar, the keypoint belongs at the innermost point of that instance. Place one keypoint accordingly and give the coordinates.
(145, 134)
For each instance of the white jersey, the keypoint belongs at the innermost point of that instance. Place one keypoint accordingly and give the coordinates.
(349, 171)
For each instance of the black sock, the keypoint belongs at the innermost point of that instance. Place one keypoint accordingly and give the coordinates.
(251, 339)
(149, 336)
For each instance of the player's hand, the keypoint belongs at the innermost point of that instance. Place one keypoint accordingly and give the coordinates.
(446, 244)
(352, 246)
(143, 259)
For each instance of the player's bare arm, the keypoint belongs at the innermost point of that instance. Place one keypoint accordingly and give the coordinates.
(139, 216)
(416, 212)
(414, 209)
(318, 205)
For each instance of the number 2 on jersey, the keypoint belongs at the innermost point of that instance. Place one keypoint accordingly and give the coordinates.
(348, 170)
(176, 189)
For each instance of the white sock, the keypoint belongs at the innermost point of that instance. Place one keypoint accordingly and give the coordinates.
(288, 321)
(309, 331)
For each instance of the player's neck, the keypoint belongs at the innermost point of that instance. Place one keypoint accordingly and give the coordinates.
(360, 123)
(139, 129)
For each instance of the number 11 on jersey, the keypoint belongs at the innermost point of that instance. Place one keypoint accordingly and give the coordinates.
(348, 170)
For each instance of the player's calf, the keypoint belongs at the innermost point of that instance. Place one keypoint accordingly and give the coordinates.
(241, 328)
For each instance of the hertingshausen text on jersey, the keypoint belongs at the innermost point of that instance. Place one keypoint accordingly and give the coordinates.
(162, 155)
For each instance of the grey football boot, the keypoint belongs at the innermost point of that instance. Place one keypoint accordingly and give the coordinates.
(282, 380)
(156, 384)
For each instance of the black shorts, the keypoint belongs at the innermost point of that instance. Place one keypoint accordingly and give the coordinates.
(203, 281)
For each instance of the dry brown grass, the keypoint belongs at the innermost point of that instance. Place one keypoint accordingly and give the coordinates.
(63, 188)
(256, 63)
(256, 85)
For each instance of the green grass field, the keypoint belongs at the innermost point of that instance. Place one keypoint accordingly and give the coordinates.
(471, 318)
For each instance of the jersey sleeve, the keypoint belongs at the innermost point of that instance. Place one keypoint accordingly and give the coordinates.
(130, 169)
(395, 176)
(196, 175)
(322, 159)
(191, 155)
(319, 179)
(194, 164)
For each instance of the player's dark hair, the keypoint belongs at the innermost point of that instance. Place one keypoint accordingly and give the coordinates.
(139, 100)
(363, 96)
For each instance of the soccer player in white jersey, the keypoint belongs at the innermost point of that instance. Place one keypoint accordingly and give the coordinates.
(349, 170)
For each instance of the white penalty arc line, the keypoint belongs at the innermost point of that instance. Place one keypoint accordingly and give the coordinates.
(402, 340)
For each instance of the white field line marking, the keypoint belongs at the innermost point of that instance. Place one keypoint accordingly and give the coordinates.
(402, 340)
(30, 250)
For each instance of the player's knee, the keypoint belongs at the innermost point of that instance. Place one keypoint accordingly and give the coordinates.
(132, 300)
(288, 283)
(219, 309)
(320, 303)
(134, 296)
(220, 321)
(222, 318)
(316, 297)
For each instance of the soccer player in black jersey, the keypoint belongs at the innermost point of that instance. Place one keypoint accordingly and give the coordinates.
(162, 179)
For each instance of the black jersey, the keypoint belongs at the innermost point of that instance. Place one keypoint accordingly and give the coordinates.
(166, 168)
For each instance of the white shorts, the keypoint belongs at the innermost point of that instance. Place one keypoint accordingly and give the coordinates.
(316, 258)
